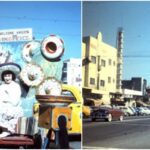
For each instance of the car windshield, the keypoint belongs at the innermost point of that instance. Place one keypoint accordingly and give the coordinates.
(68, 94)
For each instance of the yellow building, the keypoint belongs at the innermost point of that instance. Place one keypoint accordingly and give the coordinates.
(100, 79)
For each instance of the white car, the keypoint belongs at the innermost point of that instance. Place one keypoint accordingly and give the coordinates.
(144, 111)
(127, 111)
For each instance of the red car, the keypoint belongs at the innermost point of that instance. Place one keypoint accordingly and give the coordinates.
(106, 113)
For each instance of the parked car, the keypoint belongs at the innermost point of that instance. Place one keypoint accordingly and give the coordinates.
(133, 110)
(127, 111)
(106, 113)
(137, 110)
(144, 111)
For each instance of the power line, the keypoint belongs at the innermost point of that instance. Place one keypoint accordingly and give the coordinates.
(136, 56)
(40, 19)
(42, 33)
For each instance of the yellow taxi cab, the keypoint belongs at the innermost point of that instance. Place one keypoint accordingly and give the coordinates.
(75, 105)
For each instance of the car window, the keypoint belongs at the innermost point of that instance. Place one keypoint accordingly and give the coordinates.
(68, 94)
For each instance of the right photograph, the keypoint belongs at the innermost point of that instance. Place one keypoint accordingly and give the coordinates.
(116, 74)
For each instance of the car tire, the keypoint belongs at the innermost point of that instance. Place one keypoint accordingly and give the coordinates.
(121, 118)
(109, 119)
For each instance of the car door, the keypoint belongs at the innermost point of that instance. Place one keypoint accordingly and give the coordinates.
(117, 113)
(112, 112)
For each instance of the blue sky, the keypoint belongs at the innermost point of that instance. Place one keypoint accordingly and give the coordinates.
(45, 18)
(133, 16)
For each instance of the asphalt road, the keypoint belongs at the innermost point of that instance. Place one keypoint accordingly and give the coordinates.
(75, 142)
(131, 133)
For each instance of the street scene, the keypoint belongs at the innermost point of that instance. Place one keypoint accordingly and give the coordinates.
(132, 133)
(40, 75)
(116, 74)
(74, 74)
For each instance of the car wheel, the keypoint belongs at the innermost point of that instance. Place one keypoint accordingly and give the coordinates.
(109, 119)
(121, 118)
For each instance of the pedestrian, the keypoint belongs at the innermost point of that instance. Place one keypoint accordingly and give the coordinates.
(10, 98)
(63, 133)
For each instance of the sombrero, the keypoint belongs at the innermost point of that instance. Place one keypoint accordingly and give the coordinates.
(15, 68)
(32, 75)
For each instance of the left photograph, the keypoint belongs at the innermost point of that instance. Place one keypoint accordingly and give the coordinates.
(40, 75)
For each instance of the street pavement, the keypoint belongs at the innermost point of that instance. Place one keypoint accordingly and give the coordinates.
(75, 145)
(132, 133)
(75, 142)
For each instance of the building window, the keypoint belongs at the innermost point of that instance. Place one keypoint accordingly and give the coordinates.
(64, 77)
(102, 83)
(68, 93)
(109, 61)
(113, 80)
(103, 63)
(65, 67)
(109, 79)
(92, 81)
(119, 66)
(93, 58)
(114, 63)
